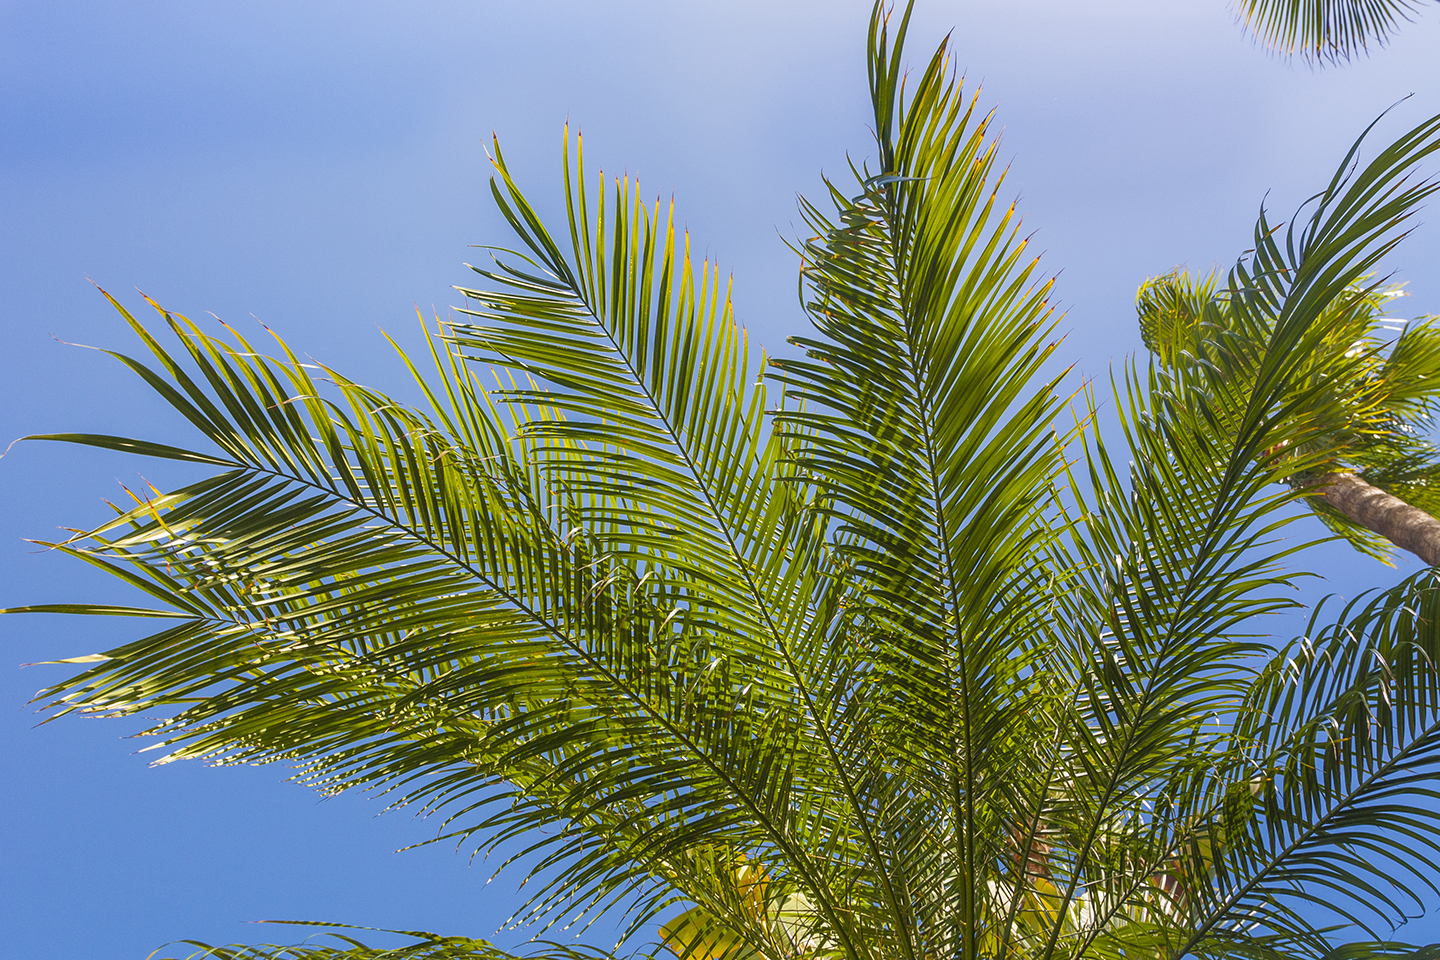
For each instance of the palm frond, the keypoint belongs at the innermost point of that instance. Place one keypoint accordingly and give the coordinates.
(341, 946)
(1356, 400)
(1181, 559)
(881, 663)
(372, 593)
(1324, 31)
(1340, 742)
(924, 422)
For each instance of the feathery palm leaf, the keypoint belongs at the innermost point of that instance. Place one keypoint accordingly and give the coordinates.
(1324, 31)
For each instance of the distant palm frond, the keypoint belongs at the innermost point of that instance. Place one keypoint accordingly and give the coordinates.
(1325, 31)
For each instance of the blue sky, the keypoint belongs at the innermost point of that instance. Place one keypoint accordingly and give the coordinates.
(321, 167)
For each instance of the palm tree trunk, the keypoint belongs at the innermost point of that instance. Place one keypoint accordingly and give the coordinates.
(1386, 514)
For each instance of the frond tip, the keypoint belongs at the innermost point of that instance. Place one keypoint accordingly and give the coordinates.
(1324, 31)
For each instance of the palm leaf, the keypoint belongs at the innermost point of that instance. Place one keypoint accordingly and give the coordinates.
(1179, 560)
(1343, 725)
(427, 946)
(364, 571)
(1324, 31)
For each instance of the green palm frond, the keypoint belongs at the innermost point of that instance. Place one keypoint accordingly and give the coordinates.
(928, 437)
(1172, 313)
(1358, 399)
(426, 946)
(1170, 591)
(372, 589)
(1324, 31)
(381, 607)
(1345, 726)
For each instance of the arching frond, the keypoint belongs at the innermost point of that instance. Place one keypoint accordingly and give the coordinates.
(1358, 399)
(1181, 560)
(1344, 725)
(371, 590)
(926, 426)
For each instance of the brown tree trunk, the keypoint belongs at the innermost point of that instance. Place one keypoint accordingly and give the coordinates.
(1386, 514)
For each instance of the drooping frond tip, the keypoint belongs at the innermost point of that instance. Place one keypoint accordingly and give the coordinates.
(1324, 31)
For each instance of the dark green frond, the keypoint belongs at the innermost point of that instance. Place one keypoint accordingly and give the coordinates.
(402, 600)
(1339, 743)
(1305, 324)
(1182, 558)
(923, 419)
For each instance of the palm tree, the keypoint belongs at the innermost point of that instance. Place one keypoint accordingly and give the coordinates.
(1325, 31)
(1369, 466)
(850, 655)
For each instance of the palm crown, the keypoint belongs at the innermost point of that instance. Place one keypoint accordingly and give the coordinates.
(1367, 394)
(851, 655)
